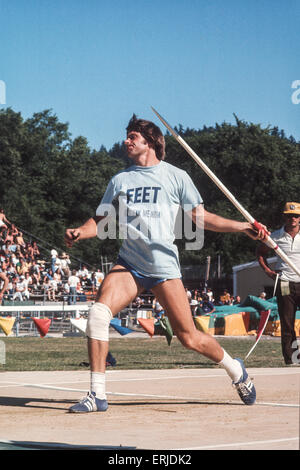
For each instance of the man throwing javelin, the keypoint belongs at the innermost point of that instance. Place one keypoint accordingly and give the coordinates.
(148, 258)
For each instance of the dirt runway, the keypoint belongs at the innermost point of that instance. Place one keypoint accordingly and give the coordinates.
(151, 409)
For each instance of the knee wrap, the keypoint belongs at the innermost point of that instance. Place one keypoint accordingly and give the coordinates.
(98, 322)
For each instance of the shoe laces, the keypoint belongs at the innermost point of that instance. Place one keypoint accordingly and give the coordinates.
(244, 387)
(89, 398)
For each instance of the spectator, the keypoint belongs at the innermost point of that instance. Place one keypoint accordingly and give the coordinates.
(225, 298)
(48, 289)
(73, 281)
(54, 255)
(194, 306)
(3, 220)
(205, 307)
(99, 277)
(157, 308)
(262, 295)
(4, 281)
(65, 264)
(20, 289)
(20, 240)
(36, 251)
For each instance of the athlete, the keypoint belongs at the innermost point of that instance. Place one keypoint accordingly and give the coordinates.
(149, 193)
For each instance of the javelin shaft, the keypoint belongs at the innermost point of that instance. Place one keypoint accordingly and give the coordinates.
(268, 240)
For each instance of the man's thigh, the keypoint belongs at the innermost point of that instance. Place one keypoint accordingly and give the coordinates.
(118, 289)
(172, 296)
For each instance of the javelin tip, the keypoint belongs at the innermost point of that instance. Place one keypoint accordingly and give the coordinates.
(164, 122)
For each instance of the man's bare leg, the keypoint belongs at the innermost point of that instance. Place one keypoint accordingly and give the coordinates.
(172, 296)
(117, 291)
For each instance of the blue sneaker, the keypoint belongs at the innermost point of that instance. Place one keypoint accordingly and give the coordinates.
(245, 387)
(88, 404)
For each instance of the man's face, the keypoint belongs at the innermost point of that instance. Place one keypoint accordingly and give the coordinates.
(135, 144)
(292, 220)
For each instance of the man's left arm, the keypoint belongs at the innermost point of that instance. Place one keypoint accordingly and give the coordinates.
(215, 223)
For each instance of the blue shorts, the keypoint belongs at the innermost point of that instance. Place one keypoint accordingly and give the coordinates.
(146, 281)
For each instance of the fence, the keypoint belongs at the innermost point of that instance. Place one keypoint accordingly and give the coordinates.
(60, 316)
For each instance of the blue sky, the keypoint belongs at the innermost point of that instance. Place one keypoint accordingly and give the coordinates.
(95, 62)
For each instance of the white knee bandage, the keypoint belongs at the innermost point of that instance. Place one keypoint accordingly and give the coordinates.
(98, 322)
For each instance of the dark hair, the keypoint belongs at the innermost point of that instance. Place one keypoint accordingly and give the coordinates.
(151, 133)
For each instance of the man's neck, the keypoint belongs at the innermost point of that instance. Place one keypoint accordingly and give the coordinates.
(292, 231)
(146, 159)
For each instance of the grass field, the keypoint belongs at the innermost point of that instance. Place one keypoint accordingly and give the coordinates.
(49, 353)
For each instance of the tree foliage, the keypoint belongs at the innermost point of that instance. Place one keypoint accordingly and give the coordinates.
(50, 181)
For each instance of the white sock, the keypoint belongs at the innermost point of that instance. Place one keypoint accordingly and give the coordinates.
(232, 367)
(98, 384)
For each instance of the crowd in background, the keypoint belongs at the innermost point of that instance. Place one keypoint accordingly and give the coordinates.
(32, 274)
(50, 276)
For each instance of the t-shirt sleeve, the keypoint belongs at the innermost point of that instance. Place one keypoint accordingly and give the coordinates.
(106, 205)
(189, 195)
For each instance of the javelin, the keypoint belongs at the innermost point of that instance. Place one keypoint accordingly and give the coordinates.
(267, 240)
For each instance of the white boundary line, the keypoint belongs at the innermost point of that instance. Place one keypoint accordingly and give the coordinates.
(147, 395)
(239, 444)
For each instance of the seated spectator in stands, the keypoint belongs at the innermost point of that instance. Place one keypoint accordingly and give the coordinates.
(9, 236)
(20, 289)
(36, 250)
(35, 271)
(22, 267)
(205, 307)
(19, 252)
(225, 298)
(4, 263)
(27, 261)
(29, 251)
(157, 308)
(83, 272)
(138, 302)
(80, 292)
(237, 300)
(48, 289)
(14, 259)
(11, 268)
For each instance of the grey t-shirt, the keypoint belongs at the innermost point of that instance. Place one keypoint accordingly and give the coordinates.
(148, 201)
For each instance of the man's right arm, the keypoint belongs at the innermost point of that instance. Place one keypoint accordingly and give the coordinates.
(87, 230)
(261, 254)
